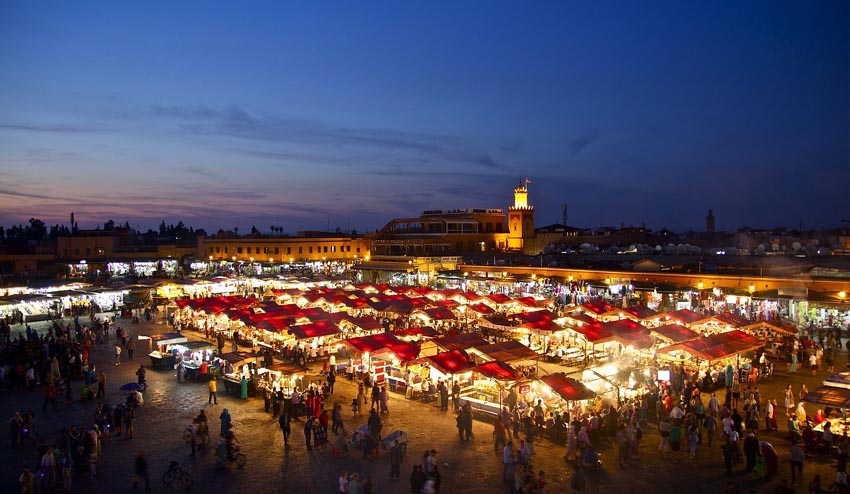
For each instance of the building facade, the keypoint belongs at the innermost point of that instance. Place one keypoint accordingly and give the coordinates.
(310, 247)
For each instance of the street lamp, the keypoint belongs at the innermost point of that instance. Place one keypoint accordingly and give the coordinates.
(842, 294)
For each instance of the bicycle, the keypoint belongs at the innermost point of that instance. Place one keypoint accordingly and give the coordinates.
(176, 472)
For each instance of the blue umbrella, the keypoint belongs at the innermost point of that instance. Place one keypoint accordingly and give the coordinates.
(131, 387)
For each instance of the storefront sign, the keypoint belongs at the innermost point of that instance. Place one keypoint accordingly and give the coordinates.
(525, 388)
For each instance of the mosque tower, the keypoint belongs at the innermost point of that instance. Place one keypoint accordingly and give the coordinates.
(520, 218)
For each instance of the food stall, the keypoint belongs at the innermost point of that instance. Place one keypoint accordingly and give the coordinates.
(522, 359)
(708, 354)
(240, 365)
(559, 392)
(280, 377)
(447, 366)
(460, 341)
(489, 381)
(836, 401)
(165, 355)
(193, 356)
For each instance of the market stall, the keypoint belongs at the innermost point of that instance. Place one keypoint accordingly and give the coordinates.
(427, 372)
(460, 341)
(523, 360)
(708, 356)
(165, 355)
(280, 377)
(836, 400)
(489, 381)
(196, 358)
(382, 356)
(236, 368)
(558, 392)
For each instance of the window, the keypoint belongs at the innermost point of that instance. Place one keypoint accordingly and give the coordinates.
(358, 250)
(65, 252)
(333, 248)
(300, 250)
(239, 250)
(289, 250)
(226, 249)
(76, 252)
(326, 249)
(348, 248)
(88, 251)
(311, 249)
(277, 250)
(211, 249)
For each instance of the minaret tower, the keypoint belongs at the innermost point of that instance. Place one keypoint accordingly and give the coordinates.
(520, 218)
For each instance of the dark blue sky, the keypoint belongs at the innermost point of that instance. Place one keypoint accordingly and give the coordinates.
(350, 113)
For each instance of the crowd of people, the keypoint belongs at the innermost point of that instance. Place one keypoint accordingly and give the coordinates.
(57, 361)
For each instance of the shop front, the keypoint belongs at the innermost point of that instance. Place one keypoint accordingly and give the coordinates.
(490, 380)
(166, 352)
(239, 373)
(195, 358)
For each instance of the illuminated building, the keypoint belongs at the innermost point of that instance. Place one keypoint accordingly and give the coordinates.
(520, 218)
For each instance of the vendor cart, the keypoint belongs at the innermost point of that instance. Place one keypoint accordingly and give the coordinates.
(401, 436)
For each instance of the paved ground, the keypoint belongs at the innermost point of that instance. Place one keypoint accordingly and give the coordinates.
(473, 467)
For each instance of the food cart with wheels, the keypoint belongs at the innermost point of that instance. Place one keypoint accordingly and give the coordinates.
(241, 365)
(196, 357)
(164, 357)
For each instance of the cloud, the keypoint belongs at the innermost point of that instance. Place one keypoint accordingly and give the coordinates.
(16, 193)
(487, 162)
(200, 170)
(583, 140)
(56, 128)
(237, 122)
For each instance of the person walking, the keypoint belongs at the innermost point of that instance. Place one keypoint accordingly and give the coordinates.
(336, 418)
(395, 460)
(384, 398)
(693, 438)
(225, 421)
(49, 397)
(343, 482)
(308, 432)
(456, 395)
(141, 472)
(285, 427)
(797, 457)
(101, 385)
(213, 398)
(331, 380)
(117, 353)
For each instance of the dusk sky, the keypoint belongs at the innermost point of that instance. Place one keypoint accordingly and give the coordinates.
(322, 114)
